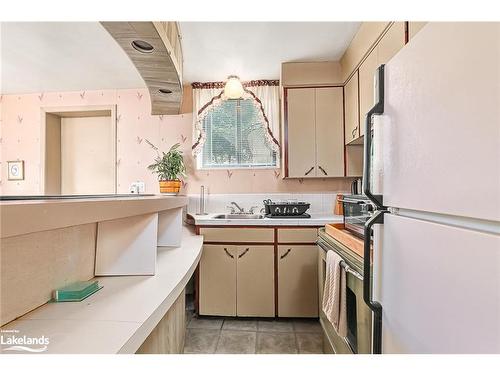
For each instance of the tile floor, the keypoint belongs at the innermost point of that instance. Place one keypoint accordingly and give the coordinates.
(253, 336)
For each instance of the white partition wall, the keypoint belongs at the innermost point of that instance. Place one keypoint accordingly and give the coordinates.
(127, 246)
(170, 227)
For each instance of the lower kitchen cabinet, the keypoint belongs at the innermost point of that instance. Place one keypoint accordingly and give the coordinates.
(237, 280)
(244, 279)
(297, 281)
(217, 280)
(255, 281)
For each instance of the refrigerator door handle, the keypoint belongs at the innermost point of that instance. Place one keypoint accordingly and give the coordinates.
(377, 109)
(378, 216)
(376, 307)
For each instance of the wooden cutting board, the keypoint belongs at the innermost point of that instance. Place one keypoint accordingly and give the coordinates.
(349, 240)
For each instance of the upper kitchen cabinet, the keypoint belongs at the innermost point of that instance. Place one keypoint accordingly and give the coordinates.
(366, 72)
(414, 28)
(301, 134)
(391, 42)
(314, 132)
(329, 118)
(310, 74)
(155, 50)
(353, 141)
(374, 44)
(366, 37)
(353, 149)
(351, 108)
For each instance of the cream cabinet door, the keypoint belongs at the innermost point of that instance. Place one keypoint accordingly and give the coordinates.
(354, 160)
(351, 109)
(218, 280)
(366, 73)
(414, 28)
(255, 281)
(301, 132)
(297, 281)
(329, 132)
(391, 43)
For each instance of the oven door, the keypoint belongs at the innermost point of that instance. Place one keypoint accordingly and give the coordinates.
(358, 340)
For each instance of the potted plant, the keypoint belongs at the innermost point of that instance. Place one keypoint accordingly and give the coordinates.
(169, 167)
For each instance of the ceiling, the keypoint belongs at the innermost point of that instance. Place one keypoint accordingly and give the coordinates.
(72, 56)
(62, 56)
(255, 50)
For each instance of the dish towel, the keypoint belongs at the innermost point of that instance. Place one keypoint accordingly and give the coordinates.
(334, 295)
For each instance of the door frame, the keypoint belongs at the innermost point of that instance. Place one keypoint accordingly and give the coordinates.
(77, 111)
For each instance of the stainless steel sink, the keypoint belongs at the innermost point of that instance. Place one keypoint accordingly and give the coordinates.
(239, 216)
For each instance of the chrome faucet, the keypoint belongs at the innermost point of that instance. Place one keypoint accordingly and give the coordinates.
(238, 207)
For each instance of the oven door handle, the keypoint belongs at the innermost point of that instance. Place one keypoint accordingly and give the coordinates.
(343, 263)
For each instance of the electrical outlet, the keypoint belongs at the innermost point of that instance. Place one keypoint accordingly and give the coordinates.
(137, 187)
(142, 186)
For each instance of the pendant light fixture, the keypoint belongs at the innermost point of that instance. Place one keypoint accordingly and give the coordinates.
(233, 88)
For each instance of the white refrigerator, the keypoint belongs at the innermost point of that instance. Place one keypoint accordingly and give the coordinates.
(434, 163)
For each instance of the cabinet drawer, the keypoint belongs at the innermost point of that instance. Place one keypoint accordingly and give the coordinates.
(237, 234)
(297, 235)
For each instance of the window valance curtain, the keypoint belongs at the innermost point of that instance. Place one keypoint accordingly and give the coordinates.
(265, 94)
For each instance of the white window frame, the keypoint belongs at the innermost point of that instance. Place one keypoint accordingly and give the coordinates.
(201, 167)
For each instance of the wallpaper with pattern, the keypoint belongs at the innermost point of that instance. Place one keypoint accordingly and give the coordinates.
(20, 140)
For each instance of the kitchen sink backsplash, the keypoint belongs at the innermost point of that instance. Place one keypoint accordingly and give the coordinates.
(218, 203)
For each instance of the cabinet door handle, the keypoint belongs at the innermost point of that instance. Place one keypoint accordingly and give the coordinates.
(309, 171)
(322, 170)
(244, 252)
(354, 132)
(228, 253)
(286, 253)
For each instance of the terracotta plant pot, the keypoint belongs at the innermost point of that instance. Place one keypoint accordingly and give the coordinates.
(170, 186)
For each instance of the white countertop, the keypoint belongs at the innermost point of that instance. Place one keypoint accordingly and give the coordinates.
(28, 216)
(119, 317)
(314, 220)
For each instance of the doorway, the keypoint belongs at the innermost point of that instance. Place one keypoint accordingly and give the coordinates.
(79, 150)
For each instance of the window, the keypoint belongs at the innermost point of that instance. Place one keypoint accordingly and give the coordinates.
(236, 137)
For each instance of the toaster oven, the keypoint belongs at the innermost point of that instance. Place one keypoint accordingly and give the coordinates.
(357, 210)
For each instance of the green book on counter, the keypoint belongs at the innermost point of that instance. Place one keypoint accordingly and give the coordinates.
(77, 291)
